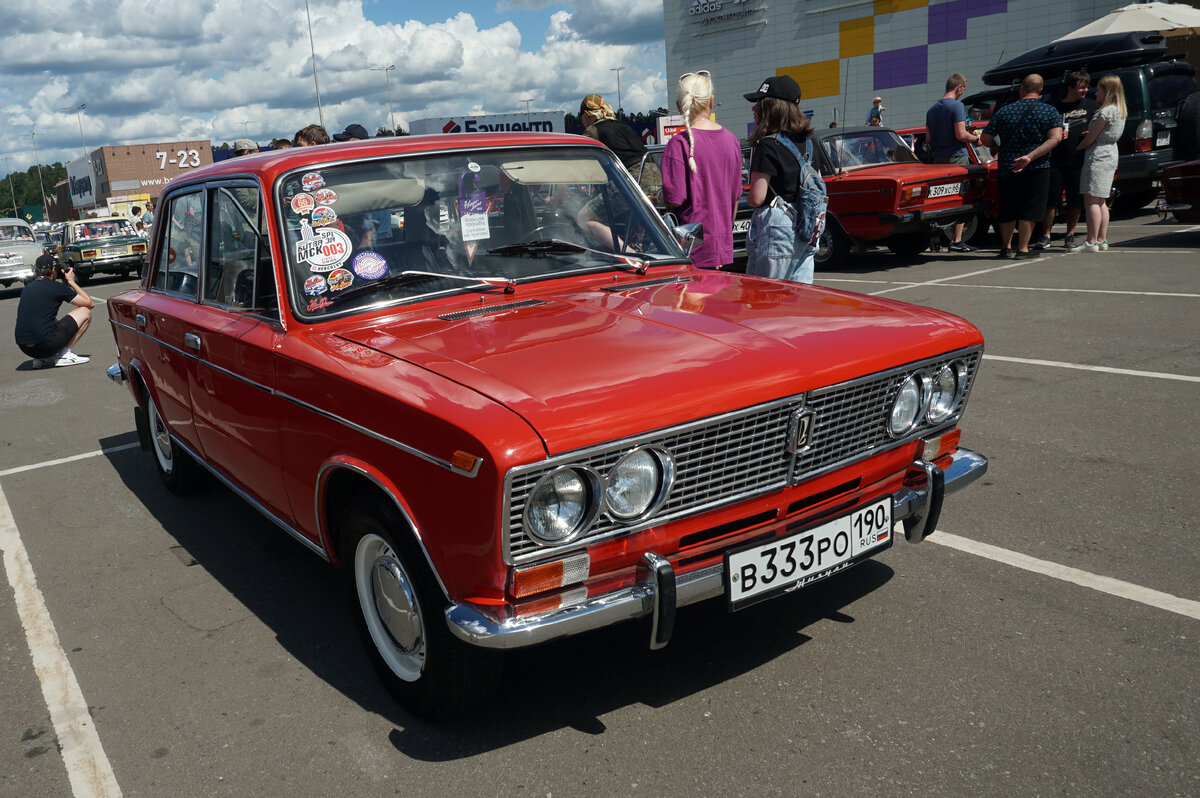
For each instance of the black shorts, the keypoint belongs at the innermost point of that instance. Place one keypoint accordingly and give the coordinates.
(1064, 180)
(1023, 195)
(65, 330)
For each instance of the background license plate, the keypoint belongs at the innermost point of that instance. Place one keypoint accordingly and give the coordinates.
(771, 568)
(741, 225)
(944, 190)
(112, 251)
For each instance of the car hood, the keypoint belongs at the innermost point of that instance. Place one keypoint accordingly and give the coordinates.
(591, 364)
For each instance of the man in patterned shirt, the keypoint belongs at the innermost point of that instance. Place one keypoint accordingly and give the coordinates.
(1025, 132)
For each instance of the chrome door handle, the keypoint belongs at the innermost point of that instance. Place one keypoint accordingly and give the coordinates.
(192, 341)
(141, 320)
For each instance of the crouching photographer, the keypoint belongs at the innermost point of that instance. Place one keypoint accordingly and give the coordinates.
(40, 333)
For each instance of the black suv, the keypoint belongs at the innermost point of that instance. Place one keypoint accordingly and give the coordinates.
(1158, 131)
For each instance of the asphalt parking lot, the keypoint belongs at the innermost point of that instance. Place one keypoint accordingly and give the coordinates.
(1043, 641)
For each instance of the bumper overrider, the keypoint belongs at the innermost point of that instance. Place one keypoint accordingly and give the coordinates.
(658, 590)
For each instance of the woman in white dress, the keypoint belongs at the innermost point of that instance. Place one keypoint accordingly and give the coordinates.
(1100, 161)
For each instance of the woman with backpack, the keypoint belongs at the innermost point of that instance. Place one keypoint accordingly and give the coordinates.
(702, 172)
(787, 193)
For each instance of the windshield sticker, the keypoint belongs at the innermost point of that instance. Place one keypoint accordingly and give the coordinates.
(302, 203)
(323, 216)
(340, 279)
(312, 181)
(324, 250)
(369, 265)
(472, 208)
(325, 196)
(320, 303)
(315, 285)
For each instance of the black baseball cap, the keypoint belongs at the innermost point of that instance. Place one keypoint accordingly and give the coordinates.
(45, 261)
(352, 132)
(781, 87)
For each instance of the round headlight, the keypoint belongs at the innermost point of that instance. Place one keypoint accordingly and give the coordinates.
(561, 505)
(944, 395)
(637, 483)
(906, 407)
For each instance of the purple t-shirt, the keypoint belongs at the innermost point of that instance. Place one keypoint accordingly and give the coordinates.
(707, 195)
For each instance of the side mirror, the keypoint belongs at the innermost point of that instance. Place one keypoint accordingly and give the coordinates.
(688, 235)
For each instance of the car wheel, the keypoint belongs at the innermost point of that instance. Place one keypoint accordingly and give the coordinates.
(833, 247)
(401, 619)
(908, 245)
(175, 467)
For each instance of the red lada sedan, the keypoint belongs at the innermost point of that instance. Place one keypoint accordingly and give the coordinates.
(479, 375)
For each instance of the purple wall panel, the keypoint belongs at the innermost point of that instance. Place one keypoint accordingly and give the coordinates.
(904, 67)
(948, 21)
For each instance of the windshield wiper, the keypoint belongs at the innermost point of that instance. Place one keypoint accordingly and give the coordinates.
(508, 285)
(547, 246)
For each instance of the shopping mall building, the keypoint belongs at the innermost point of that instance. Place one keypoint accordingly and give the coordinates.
(843, 53)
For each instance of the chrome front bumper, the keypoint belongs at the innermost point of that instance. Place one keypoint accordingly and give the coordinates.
(659, 591)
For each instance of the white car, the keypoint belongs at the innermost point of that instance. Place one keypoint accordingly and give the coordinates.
(19, 249)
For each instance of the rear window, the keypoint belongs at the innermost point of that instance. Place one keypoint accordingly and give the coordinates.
(1168, 91)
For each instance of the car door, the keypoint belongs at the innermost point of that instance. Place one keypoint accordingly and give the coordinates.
(163, 315)
(231, 339)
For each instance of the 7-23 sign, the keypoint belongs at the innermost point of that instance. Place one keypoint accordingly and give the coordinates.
(183, 159)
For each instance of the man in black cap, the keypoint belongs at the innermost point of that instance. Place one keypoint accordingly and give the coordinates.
(40, 334)
(352, 133)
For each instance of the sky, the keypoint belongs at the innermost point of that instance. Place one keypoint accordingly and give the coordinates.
(150, 71)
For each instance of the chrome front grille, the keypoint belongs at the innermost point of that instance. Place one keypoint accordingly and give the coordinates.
(738, 455)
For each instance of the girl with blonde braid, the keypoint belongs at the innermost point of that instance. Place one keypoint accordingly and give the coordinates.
(702, 172)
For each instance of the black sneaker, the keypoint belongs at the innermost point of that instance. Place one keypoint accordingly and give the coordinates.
(1004, 253)
(1031, 255)
(961, 246)
(1041, 243)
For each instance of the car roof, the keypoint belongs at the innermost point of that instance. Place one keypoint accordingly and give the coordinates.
(270, 164)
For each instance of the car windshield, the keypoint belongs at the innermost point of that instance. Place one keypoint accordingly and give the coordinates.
(104, 228)
(858, 150)
(363, 234)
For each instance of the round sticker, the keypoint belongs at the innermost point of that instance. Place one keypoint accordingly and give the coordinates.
(327, 249)
(312, 181)
(302, 203)
(323, 216)
(325, 196)
(369, 265)
(340, 279)
(314, 285)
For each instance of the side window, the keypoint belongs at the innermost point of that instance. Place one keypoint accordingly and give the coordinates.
(233, 246)
(178, 266)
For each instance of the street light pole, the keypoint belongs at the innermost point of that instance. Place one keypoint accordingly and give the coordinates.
(618, 71)
(312, 49)
(41, 185)
(10, 187)
(388, 80)
(527, 102)
(246, 127)
(79, 119)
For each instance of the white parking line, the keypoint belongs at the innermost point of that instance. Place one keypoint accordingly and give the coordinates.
(1105, 584)
(70, 459)
(88, 768)
(1084, 367)
(943, 284)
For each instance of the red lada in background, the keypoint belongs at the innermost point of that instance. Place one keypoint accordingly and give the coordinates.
(881, 193)
(479, 375)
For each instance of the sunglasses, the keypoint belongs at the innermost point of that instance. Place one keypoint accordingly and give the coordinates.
(703, 72)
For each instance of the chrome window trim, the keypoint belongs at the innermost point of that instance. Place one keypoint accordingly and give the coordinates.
(429, 458)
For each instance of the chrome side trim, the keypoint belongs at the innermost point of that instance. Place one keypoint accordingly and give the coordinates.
(279, 522)
(487, 628)
(429, 458)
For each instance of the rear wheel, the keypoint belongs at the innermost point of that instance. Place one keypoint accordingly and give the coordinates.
(175, 467)
(833, 247)
(908, 245)
(401, 616)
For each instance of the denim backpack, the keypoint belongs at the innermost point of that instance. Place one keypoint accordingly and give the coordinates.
(812, 195)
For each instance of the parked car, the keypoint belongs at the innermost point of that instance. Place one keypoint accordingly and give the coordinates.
(976, 227)
(881, 193)
(103, 245)
(479, 375)
(1181, 185)
(19, 250)
(741, 220)
(1160, 94)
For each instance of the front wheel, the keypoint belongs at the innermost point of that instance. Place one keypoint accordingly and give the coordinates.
(833, 246)
(401, 616)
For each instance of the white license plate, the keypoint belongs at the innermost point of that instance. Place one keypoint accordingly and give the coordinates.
(944, 190)
(741, 226)
(786, 563)
(107, 251)
(1162, 139)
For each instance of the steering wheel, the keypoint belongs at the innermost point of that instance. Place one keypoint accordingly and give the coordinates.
(538, 233)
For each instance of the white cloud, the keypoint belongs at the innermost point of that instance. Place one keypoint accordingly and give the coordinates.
(151, 71)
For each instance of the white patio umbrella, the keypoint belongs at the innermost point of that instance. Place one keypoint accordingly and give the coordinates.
(1140, 16)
